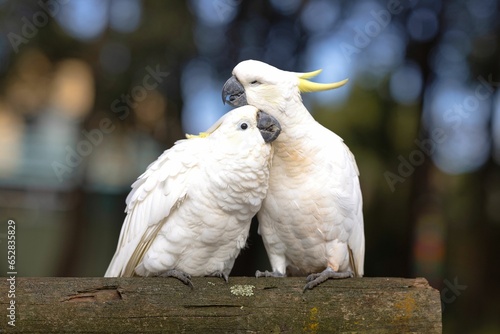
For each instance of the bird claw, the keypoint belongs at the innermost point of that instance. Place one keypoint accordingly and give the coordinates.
(316, 279)
(180, 275)
(222, 275)
(266, 273)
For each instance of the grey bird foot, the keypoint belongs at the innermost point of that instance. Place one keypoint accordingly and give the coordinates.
(318, 278)
(220, 274)
(266, 273)
(180, 275)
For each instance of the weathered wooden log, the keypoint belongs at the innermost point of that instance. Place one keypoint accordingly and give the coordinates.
(244, 305)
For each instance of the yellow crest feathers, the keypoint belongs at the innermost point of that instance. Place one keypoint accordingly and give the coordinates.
(309, 75)
(306, 86)
(201, 135)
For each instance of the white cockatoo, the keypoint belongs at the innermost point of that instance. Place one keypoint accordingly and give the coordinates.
(311, 221)
(190, 212)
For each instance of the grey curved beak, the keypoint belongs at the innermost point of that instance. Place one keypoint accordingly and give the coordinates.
(233, 93)
(269, 126)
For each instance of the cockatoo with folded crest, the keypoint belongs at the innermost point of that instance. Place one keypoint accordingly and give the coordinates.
(190, 212)
(311, 221)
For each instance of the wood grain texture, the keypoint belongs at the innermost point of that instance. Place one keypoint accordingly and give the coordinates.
(244, 305)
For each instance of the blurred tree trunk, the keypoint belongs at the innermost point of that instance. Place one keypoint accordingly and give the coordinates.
(422, 191)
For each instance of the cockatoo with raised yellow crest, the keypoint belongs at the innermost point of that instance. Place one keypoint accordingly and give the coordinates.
(190, 212)
(311, 220)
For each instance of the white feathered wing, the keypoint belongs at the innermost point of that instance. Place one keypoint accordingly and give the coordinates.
(155, 196)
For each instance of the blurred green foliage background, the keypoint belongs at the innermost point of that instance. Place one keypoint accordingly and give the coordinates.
(93, 91)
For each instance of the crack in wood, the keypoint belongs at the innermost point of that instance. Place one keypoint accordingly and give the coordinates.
(212, 305)
(100, 294)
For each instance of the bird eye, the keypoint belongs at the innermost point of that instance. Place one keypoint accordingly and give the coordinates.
(255, 82)
(243, 126)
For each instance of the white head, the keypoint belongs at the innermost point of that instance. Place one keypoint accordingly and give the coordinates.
(239, 124)
(267, 87)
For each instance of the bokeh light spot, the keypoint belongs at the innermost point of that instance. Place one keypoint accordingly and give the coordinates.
(84, 19)
(125, 15)
(320, 15)
(406, 83)
(422, 24)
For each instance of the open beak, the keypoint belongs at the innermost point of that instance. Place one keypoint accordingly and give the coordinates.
(269, 126)
(233, 93)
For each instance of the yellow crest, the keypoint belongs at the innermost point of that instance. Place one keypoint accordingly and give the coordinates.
(201, 135)
(306, 86)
